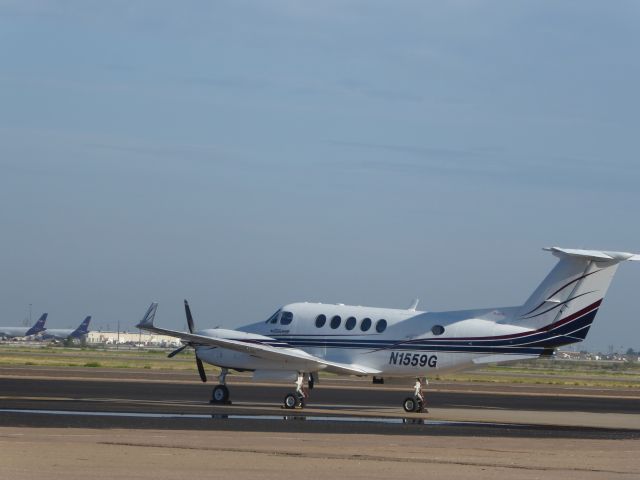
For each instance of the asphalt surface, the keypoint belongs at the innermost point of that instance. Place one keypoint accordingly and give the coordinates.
(326, 396)
(40, 402)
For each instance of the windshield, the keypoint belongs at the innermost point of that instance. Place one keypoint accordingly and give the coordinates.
(273, 318)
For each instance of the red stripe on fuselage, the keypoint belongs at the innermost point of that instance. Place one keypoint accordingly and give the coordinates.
(546, 328)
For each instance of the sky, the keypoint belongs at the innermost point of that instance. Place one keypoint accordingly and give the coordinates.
(246, 155)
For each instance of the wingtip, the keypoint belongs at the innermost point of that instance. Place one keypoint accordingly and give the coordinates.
(147, 320)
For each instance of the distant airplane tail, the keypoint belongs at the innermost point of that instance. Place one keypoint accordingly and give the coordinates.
(83, 329)
(38, 326)
(565, 304)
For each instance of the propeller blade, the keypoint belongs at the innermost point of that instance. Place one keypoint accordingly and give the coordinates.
(187, 310)
(177, 351)
(203, 374)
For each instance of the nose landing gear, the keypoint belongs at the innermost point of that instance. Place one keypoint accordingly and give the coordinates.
(220, 394)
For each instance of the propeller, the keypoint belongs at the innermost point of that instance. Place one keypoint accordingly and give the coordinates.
(178, 350)
(187, 311)
(203, 375)
(199, 364)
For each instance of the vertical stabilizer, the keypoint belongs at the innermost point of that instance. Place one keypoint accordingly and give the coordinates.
(567, 300)
(38, 326)
(83, 329)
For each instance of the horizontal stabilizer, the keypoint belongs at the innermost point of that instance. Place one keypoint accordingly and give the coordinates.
(597, 255)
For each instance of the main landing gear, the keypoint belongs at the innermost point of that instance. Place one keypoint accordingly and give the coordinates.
(298, 399)
(220, 392)
(416, 403)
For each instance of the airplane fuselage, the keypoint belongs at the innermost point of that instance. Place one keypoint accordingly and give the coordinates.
(13, 332)
(395, 342)
(57, 333)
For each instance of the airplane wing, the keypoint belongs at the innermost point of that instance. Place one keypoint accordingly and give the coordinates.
(296, 358)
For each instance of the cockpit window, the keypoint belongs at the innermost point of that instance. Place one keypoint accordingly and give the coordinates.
(273, 318)
(286, 318)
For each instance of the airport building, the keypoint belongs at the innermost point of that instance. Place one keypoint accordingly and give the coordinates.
(132, 338)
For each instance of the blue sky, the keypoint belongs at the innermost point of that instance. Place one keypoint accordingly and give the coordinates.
(250, 154)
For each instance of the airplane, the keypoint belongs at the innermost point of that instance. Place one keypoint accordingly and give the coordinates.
(12, 332)
(301, 339)
(64, 333)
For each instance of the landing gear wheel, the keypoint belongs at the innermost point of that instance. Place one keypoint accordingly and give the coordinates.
(290, 401)
(411, 404)
(220, 394)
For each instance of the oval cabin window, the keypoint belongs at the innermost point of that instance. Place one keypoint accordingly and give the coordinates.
(350, 323)
(437, 330)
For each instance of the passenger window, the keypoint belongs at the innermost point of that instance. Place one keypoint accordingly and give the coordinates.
(320, 321)
(286, 318)
(437, 330)
(366, 324)
(350, 323)
(381, 326)
(335, 322)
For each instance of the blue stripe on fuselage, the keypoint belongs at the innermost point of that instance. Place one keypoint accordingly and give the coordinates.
(535, 342)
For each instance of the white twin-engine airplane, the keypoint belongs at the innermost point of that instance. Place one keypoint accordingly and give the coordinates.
(302, 339)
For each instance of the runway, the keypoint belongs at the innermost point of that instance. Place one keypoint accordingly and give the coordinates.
(350, 394)
(30, 400)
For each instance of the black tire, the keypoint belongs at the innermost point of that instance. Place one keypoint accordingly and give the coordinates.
(290, 401)
(409, 404)
(220, 394)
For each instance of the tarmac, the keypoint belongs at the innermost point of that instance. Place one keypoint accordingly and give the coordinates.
(160, 424)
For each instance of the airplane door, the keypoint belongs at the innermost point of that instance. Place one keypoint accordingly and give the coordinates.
(304, 328)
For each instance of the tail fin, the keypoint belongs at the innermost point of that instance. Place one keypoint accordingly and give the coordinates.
(566, 302)
(83, 329)
(38, 326)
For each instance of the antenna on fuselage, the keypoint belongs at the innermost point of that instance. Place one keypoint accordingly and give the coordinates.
(414, 305)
